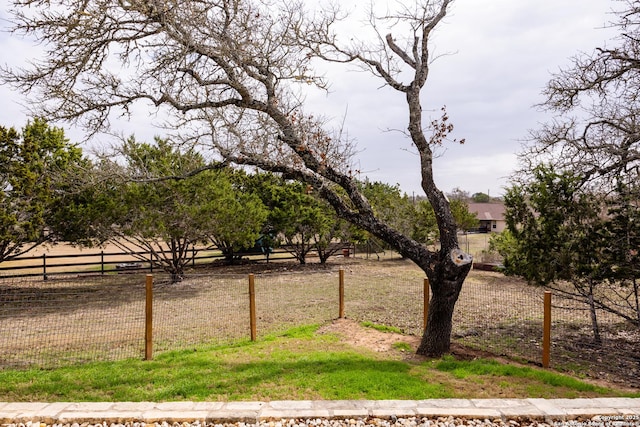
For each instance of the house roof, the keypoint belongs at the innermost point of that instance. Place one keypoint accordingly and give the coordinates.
(488, 211)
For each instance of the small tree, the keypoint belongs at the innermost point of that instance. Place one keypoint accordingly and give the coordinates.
(480, 198)
(90, 202)
(164, 217)
(425, 228)
(620, 254)
(333, 240)
(34, 166)
(465, 220)
(392, 206)
(237, 215)
(554, 232)
(296, 218)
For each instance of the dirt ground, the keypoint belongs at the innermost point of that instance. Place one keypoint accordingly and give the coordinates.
(353, 333)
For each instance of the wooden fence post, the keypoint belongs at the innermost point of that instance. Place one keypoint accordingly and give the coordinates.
(44, 267)
(148, 319)
(546, 335)
(425, 302)
(341, 293)
(252, 307)
(102, 263)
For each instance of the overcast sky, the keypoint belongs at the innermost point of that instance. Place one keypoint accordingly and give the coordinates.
(503, 52)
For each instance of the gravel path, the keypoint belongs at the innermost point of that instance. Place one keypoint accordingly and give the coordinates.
(318, 422)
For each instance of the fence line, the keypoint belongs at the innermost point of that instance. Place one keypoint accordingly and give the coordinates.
(102, 262)
(58, 322)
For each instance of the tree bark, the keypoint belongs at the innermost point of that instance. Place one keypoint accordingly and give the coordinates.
(597, 339)
(446, 283)
(637, 301)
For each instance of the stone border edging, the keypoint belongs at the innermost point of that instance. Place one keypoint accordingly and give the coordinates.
(625, 411)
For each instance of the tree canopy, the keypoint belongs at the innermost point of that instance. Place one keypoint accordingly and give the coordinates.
(565, 238)
(147, 199)
(34, 163)
(174, 214)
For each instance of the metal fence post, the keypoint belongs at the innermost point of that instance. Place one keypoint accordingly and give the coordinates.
(546, 335)
(148, 319)
(252, 307)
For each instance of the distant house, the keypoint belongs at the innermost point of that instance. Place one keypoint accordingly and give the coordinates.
(490, 215)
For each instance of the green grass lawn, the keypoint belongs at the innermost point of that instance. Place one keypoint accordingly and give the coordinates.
(297, 364)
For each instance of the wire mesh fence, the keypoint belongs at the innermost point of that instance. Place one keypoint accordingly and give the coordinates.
(201, 309)
(506, 319)
(502, 318)
(65, 321)
(71, 320)
(575, 348)
(390, 296)
(292, 299)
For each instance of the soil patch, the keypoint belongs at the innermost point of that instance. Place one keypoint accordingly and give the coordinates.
(353, 333)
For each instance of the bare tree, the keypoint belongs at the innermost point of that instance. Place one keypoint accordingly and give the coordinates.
(231, 73)
(596, 130)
